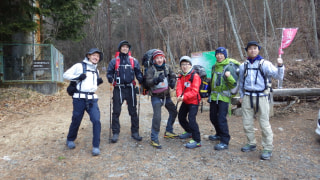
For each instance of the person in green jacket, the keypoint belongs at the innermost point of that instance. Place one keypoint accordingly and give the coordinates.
(221, 83)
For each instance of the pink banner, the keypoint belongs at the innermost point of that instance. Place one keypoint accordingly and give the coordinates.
(287, 37)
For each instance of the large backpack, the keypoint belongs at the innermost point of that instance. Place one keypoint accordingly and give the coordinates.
(147, 62)
(203, 90)
(72, 87)
(234, 71)
(118, 74)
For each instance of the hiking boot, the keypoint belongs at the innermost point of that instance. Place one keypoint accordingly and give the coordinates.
(170, 135)
(136, 136)
(214, 138)
(95, 151)
(193, 144)
(71, 144)
(266, 154)
(248, 148)
(185, 135)
(155, 144)
(115, 138)
(220, 146)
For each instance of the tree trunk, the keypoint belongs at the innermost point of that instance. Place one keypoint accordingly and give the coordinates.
(141, 27)
(109, 28)
(234, 30)
(314, 22)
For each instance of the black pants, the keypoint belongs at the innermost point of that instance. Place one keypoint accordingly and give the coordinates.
(190, 125)
(128, 94)
(218, 118)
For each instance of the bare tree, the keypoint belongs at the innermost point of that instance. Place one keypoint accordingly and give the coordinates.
(234, 29)
(315, 35)
(206, 24)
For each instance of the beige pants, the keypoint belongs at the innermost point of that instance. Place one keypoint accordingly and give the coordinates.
(263, 118)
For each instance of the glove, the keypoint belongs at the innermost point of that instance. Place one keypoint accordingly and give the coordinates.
(136, 89)
(99, 81)
(172, 84)
(110, 80)
(280, 62)
(160, 78)
(82, 77)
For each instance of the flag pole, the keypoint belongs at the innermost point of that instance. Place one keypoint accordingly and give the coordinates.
(280, 81)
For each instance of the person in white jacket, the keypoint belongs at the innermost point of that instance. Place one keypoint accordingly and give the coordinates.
(255, 73)
(86, 76)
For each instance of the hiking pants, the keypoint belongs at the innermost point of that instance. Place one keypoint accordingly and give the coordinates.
(79, 106)
(127, 93)
(263, 118)
(156, 120)
(189, 125)
(218, 118)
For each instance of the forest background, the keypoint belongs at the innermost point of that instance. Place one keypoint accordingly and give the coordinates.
(179, 27)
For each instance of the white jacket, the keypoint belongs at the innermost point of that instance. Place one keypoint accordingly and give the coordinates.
(87, 85)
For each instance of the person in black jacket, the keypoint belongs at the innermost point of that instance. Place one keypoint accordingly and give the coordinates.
(121, 72)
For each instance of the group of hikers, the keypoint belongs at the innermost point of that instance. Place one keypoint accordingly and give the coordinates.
(254, 75)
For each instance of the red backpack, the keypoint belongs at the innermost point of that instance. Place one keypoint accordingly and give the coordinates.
(131, 59)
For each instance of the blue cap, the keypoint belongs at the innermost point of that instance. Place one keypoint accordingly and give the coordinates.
(223, 51)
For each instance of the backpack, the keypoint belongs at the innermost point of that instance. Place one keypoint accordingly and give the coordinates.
(267, 81)
(147, 62)
(162, 86)
(203, 90)
(72, 87)
(130, 74)
(234, 71)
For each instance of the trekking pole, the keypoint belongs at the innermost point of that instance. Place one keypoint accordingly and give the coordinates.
(181, 96)
(110, 128)
(139, 102)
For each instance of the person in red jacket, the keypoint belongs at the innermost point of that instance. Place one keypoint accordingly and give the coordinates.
(187, 91)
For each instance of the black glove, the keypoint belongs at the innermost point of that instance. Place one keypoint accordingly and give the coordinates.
(82, 77)
(172, 83)
(136, 89)
(99, 81)
(110, 80)
(159, 79)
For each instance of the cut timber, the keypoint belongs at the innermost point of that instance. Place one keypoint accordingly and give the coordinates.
(297, 92)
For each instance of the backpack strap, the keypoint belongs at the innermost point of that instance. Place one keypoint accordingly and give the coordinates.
(192, 75)
(258, 69)
(131, 59)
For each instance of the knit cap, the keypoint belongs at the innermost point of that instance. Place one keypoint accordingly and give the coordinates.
(223, 51)
(157, 53)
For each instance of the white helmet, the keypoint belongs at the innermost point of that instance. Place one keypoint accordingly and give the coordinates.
(185, 58)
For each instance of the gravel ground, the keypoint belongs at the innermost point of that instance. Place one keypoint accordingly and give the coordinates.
(33, 147)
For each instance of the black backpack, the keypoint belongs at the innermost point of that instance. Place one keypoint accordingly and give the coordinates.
(72, 88)
(147, 62)
(203, 90)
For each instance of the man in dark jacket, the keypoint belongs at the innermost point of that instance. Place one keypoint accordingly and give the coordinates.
(159, 78)
(121, 72)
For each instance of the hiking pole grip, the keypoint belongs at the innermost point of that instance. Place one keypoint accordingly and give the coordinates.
(180, 96)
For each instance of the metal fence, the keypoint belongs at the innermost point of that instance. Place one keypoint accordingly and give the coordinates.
(30, 63)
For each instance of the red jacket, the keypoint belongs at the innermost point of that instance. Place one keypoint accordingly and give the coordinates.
(191, 93)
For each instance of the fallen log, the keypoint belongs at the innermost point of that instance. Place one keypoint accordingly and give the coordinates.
(289, 94)
(296, 92)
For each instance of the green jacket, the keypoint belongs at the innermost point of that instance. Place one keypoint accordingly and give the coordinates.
(220, 85)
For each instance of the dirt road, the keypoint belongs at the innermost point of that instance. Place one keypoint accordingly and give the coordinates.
(33, 147)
